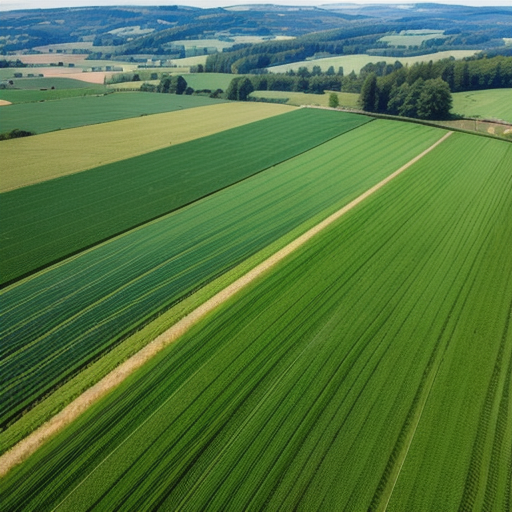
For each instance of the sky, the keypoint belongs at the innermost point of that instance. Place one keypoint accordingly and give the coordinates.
(7, 5)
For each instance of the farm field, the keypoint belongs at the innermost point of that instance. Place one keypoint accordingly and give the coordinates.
(198, 81)
(356, 62)
(410, 38)
(488, 104)
(57, 71)
(85, 110)
(123, 282)
(38, 83)
(30, 96)
(305, 391)
(52, 58)
(92, 206)
(346, 99)
(68, 151)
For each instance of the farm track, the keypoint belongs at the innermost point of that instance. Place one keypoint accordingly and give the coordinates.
(31, 443)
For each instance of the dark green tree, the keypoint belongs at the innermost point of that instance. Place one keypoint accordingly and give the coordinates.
(369, 98)
(245, 88)
(334, 102)
(232, 90)
(435, 100)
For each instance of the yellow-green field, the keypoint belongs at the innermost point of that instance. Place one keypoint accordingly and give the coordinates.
(346, 99)
(356, 62)
(50, 155)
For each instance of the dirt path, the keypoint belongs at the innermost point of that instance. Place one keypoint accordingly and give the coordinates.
(30, 444)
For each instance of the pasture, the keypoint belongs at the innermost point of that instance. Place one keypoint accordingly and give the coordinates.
(487, 104)
(356, 62)
(85, 110)
(47, 221)
(31, 96)
(346, 99)
(125, 281)
(412, 38)
(312, 387)
(38, 83)
(68, 151)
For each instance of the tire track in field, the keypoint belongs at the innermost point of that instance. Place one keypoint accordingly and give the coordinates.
(30, 444)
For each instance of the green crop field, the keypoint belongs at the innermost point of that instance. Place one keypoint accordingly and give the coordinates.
(48, 221)
(488, 104)
(29, 96)
(87, 303)
(346, 99)
(70, 151)
(81, 111)
(383, 341)
(356, 62)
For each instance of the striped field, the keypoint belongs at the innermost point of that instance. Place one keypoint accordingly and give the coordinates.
(371, 367)
(73, 311)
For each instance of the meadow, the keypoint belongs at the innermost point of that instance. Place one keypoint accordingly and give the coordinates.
(308, 389)
(69, 151)
(354, 63)
(198, 81)
(31, 96)
(84, 110)
(346, 99)
(487, 104)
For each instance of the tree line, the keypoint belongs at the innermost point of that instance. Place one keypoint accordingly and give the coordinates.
(424, 89)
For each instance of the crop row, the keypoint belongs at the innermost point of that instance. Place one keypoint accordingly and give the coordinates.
(56, 321)
(294, 394)
(70, 112)
(45, 222)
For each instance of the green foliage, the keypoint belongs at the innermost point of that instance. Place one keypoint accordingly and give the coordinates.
(314, 371)
(15, 134)
(435, 101)
(369, 99)
(333, 100)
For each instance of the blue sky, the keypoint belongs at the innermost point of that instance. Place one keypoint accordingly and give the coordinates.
(42, 4)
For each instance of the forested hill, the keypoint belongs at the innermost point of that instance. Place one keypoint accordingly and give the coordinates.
(151, 28)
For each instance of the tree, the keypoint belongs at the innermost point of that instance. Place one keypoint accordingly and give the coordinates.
(245, 88)
(333, 100)
(330, 71)
(435, 100)
(232, 90)
(369, 98)
(178, 84)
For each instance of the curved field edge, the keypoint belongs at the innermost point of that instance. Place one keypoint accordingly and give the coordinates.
(245, 279)
(374, 132)
(52, 155)
(216, 459)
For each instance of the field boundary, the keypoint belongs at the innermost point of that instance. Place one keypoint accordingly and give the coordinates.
(31, 443)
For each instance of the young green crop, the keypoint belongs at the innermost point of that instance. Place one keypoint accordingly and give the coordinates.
(48, 221)
(65, 316)
(293, 396)
(84, 110)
